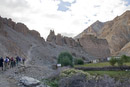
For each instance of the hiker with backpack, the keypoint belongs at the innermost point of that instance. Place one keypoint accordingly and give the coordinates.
(17, 60)
(11, 62)
(6, 62)
(1, 63)
(23, 60)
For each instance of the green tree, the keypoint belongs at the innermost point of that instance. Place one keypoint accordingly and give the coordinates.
(112, 61)
(120, 62)
(78, 61)
(65, 59)
(125, 58)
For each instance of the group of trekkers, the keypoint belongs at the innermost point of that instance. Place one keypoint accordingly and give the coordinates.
(10, 62)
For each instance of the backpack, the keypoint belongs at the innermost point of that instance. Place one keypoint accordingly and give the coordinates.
(6, 60)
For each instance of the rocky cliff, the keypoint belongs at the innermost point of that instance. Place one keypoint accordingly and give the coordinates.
(61, 40)
(117, 32)
(95, 46)
(16, 38)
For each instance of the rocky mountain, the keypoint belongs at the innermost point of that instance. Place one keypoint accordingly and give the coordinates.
(95, 42)
(116, 32)
(17, 40)
(94, 29)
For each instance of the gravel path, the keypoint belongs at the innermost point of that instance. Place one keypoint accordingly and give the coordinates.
(29, 57)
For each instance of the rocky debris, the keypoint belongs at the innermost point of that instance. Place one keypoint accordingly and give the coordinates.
(95, 46)
(29, 82)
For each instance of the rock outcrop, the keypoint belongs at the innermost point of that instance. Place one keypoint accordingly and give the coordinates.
(95, 46)
(51, 37)
(61, 40)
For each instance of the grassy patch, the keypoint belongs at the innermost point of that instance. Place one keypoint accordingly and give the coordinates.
(94, 65)
(51, 83)
(102, 64)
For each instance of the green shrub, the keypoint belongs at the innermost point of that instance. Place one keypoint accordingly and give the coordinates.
(120, 62)
(125, 58)
(65, 59)
(51, 83)
(113, 61)
(78, 61)
(71, 72)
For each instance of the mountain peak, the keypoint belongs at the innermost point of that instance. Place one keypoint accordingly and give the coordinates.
(126, 14)
(97, 21)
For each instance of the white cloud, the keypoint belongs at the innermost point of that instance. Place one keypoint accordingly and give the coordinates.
(42, 15)
(68, 1)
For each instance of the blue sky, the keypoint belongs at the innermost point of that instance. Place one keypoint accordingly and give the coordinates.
(64, 6)
(68, 17)
(128, 2)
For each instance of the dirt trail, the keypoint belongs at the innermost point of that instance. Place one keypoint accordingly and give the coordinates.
(29, 56)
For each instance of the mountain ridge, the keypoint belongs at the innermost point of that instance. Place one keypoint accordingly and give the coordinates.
(116, 32)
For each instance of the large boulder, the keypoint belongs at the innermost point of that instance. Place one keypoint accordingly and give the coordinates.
(29, 82)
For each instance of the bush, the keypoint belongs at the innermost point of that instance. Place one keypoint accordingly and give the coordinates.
(125, 58)
(51, 83)
(120, 62)
(113, 61)
(78, 61)
(65, 59)
(72, 72)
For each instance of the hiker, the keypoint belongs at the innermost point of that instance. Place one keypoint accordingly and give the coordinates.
(23, 60)
(17, 60)
(1, 63)
(20, 59)
(14, 62)
(6, 61)
(11, 62)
